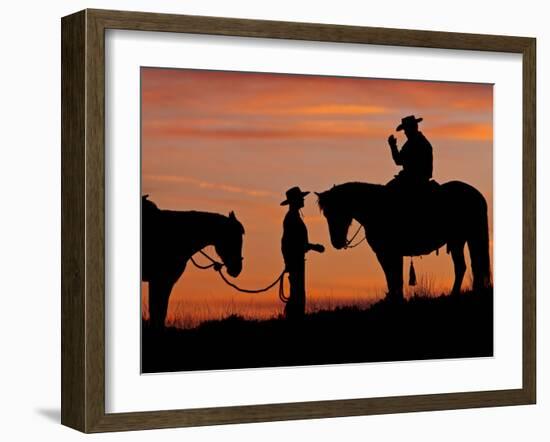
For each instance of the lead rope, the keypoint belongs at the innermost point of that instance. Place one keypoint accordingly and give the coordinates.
(218, 268)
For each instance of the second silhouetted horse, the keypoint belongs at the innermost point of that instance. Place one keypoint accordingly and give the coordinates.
(170, 238)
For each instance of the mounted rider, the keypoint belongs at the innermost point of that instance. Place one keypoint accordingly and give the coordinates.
(415, 156)
(412, 191)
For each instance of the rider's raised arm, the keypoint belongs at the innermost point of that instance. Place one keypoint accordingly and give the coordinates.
(396, 155)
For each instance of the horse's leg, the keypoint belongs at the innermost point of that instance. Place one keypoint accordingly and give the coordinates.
(393, 269)
(479, 260)
(159, 293)
(457, 253)
(397, 266)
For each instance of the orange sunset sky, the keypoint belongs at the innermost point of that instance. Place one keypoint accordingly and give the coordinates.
(220, 141)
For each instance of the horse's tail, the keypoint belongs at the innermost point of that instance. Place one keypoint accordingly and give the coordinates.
(478, 245)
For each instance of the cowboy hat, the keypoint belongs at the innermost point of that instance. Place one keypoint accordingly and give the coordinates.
(293, 194)
(408, 121)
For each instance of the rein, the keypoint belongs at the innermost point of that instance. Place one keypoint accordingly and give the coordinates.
(349, 244)
(217, 266)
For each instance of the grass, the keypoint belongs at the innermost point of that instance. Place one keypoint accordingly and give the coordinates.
(188, 315)
(425, 326)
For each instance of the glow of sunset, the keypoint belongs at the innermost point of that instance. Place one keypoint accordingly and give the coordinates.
(220, 141)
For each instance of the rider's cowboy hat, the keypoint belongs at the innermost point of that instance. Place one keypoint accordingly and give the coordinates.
(293, 194)
(408, 121)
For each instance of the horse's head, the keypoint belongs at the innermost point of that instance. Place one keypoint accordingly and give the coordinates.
(337, 214)
(229, 245)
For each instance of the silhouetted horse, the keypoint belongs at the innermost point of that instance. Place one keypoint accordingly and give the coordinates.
(171, 238)
(455, 214)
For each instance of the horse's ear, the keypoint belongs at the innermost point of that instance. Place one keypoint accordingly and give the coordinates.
(317, 193)
(234, 218)
(333, 186)
(145, 196)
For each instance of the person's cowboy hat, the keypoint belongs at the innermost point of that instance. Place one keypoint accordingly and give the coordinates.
(408, 121)
(293, 194)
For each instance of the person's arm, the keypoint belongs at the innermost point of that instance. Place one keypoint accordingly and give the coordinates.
(396, 155)
(319, 248)
(310, 246)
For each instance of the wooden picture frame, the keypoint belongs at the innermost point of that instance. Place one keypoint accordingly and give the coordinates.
(83, 220)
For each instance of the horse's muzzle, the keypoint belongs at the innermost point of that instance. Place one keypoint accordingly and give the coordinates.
(234, 272)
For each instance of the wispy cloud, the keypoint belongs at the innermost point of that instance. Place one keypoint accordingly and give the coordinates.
(330, 109)
(173, 179)
(464, 131)
(294, 128)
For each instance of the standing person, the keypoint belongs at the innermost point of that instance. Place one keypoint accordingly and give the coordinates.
(416, 155)
(295, 245)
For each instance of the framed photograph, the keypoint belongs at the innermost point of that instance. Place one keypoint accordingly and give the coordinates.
(266, 220)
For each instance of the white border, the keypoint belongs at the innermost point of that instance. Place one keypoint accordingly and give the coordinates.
(127, 390)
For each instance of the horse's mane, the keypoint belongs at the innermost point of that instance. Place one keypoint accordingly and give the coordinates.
(216, 218)
(193, 216)
(147, 204)
(346, 192)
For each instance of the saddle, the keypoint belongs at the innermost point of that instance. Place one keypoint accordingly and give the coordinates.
(412, 190)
